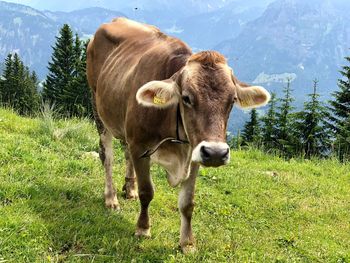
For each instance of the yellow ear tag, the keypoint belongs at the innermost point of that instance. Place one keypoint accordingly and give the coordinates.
(158, 100)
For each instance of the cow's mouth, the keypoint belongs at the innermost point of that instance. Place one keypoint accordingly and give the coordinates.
(211, 154)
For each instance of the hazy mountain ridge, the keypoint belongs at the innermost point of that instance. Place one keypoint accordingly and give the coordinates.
(86, 20)
(200, 31)
(26, 31)
(309, 39)
(188, 7)
(31, 33)
(263, 44)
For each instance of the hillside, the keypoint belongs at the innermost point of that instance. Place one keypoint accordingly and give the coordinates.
(259, 208)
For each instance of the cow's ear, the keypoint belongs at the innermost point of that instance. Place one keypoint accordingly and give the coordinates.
(159, 94)
(252, 97)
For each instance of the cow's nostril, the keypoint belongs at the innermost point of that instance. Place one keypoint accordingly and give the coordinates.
(224, 153)
(212, 153)
(205, 151)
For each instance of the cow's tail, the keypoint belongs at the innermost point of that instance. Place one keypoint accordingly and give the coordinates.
(90, 72)
(90, 64)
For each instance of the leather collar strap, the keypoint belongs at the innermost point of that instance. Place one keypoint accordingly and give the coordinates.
(177, 140)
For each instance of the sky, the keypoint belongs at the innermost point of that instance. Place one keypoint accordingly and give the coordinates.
(60, 5)
(118, 5)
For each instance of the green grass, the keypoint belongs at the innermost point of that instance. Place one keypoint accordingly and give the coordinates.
(259, 208)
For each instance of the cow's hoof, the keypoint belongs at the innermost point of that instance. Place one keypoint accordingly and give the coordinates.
(141, 232)
(132, 194)
(188, 249)
(130, 191)
(112, 203)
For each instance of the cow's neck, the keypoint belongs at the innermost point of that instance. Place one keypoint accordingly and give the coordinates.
(178, 139)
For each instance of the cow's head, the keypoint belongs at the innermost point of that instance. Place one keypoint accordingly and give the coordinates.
(206, 89)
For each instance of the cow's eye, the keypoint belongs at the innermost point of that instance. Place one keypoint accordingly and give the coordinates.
(186, 100)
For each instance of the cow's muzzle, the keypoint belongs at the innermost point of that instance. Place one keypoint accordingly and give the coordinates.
(211, 154)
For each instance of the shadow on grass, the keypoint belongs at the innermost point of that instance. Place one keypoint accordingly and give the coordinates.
(78, 226)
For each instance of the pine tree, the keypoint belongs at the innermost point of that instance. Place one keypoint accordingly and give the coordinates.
(313, 135)
(19, 86)
(66, 85)
(269, 130)
(285, 130)
(61, 68)
(84, 91)
(251, 133)
(5, 87)
(343, 141)
(77, 95)
(340, 109)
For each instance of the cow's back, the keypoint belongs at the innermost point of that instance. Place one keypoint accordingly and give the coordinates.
(122, 57)
(107, 38)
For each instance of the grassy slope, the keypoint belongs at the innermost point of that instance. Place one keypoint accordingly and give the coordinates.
(51, 205)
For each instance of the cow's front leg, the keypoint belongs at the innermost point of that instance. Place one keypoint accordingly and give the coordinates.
(146, 192)
(186, 205)
(106, 155)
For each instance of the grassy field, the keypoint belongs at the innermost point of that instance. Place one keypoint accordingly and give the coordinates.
(259, 208)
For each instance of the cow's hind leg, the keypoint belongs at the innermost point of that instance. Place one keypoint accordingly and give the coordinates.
(106, 156)
(130, 186)
(146, 192)
(186, 206)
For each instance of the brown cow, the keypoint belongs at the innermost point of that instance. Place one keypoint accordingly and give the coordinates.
(166, 105)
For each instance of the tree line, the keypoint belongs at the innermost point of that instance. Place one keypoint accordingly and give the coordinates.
(319, 129)
(65, 87)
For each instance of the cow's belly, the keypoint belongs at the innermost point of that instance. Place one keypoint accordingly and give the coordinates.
(177, 166)
(111, 103)
(113, 123)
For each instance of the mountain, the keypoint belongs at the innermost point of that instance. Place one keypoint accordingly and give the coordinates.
(265, 41)
(85, 21)
(205, 30)
(298, 39)
(31, 33)
(28, 32)
(188, 7)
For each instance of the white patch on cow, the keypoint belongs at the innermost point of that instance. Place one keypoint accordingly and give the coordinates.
(107, 190)
(196, 154)
(177, 168)
(112, 203)
(111, 200)
(140, 232)
(107, 143)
